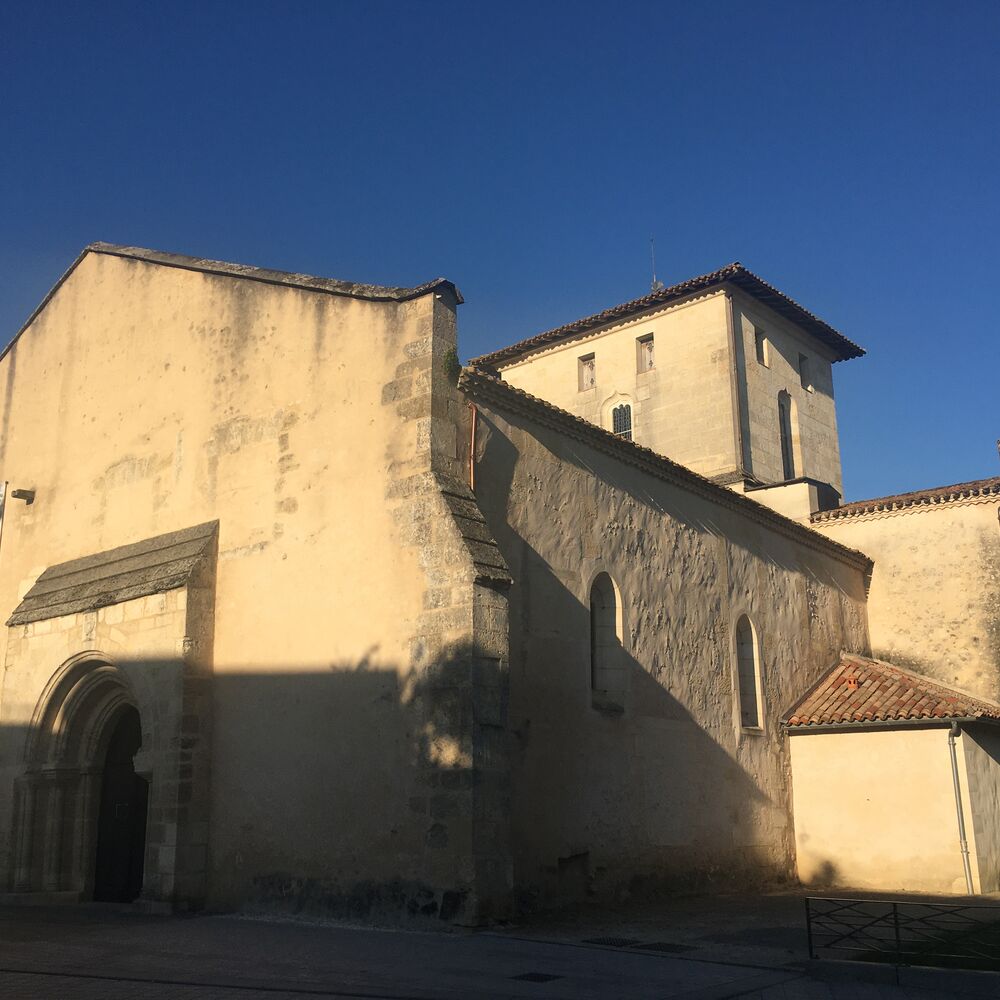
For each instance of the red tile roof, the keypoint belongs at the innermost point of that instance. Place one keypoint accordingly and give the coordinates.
(977, 488)
(733, 274)
(862, 690)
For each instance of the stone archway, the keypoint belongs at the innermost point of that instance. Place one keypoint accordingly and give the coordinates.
(85, 721)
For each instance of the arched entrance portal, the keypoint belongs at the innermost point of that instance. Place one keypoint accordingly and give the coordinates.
(121, 823)
(81, 812)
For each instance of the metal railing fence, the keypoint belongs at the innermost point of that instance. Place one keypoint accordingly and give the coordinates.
(950, 935)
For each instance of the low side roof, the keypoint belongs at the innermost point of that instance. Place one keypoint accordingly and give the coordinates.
(860, 690)
(148, 567)
(918, 498)
(484, 387)
(732, 274)
(331, 286)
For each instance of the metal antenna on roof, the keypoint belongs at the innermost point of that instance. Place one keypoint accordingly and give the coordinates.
(655, 285)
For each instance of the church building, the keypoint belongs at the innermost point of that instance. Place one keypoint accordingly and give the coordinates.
(302, 616)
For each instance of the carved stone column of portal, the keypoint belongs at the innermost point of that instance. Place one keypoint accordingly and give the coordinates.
(25, 831)
(84, 848)
(51, 870)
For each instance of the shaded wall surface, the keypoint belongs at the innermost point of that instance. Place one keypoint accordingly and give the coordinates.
(816, 446)
(352, 628)
(934, 602)
(671, 789)
(981, 746)
(876, 810)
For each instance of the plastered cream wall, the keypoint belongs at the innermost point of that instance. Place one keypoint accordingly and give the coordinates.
(682, 408)
(876, 810)
(708, 403)
(934, 603)
(671, 790)
(815, 439)
(317, 429)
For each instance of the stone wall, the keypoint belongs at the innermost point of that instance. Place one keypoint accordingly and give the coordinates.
(816, 443)
(670, 790)
(358, 666)
(149, 653)
(682, 408)
(708, 403)
(934, 601)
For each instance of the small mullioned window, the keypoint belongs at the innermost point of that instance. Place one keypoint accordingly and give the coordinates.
(621, 421)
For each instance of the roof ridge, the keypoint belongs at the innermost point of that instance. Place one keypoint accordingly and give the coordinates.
(747, 281)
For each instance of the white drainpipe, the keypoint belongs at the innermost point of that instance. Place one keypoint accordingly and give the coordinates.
(962, 840)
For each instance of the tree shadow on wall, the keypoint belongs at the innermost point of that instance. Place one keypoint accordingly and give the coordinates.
(347, 792)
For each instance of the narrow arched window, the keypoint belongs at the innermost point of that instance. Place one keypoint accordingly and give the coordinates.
(607, 670)
(785, 430)
(621, 421)
(748, 674)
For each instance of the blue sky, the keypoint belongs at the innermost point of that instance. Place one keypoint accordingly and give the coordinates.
(848, 153)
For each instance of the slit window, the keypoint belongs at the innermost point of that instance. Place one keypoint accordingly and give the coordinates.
(785, 431)
(762, 348)
(748, 674)
(621, 421)
(607, 669)
(805, 375)
(587, 371)
(645, 359)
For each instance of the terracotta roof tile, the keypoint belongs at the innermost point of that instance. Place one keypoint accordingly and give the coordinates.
(884, 693)
(977, 488)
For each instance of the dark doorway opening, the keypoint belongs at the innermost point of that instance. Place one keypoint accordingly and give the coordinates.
(121, 825)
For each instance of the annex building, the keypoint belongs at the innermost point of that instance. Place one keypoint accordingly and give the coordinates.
(301, 615)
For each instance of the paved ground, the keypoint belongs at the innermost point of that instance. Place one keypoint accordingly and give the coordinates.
(697, 949)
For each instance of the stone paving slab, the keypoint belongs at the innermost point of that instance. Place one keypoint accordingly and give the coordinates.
(93, 954)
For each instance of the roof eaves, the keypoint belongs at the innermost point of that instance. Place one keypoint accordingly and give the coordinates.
(801, 728)
(474, 381)
(734, 273)
(973, 490)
